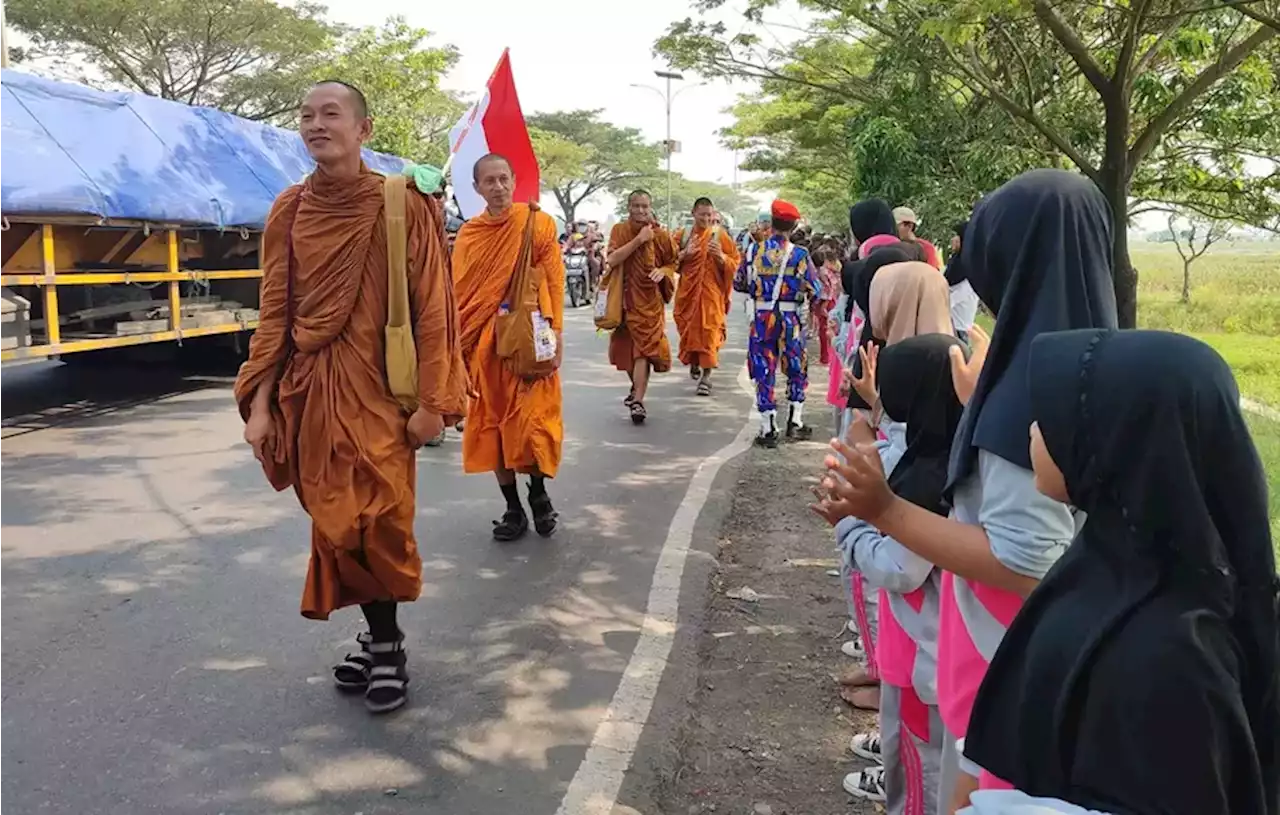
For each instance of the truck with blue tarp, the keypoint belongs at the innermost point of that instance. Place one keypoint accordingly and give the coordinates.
(127, 220)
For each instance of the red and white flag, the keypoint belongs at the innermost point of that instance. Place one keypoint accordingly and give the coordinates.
(494, 124)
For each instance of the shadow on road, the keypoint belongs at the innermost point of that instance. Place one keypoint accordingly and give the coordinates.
(49, 394)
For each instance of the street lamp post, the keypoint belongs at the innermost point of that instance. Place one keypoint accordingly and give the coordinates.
(669, 75)
(667, 99)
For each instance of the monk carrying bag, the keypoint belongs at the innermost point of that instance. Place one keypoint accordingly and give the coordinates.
(524, 335)
(401, 350)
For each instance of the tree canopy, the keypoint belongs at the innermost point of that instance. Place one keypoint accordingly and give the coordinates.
(247, 57)
(1164, 102)
(252, 58)
(400, 75)
(607, 159)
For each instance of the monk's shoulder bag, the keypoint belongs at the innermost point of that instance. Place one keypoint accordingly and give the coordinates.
(401, 350)
(523, 334)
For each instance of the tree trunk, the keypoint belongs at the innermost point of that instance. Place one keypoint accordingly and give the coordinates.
(1115, 174)
(1186, 281)
(567, 209)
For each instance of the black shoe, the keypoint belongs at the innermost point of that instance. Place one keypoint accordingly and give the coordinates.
(513, 526)
(769, 440)
(544, 515)
(801, 433)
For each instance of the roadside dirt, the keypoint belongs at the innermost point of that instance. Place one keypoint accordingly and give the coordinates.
(768, 734)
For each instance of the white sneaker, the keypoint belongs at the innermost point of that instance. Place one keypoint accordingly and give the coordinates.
(853, 649)
(867, 745)
(868, 784)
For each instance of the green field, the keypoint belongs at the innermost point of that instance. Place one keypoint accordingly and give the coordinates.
(1235, 307)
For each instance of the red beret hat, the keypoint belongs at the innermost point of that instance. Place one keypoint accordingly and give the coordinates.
(785, 211)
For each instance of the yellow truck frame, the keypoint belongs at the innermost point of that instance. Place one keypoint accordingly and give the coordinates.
(33, 251)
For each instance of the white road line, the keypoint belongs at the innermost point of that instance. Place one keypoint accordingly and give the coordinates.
(594, 788)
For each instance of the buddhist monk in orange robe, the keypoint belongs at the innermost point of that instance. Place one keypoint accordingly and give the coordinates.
(318, 411)
(707, 262)
(645, 255)
(513, 424)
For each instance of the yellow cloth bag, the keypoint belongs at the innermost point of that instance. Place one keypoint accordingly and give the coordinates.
(523, 334)
(401, 350)
(608, 305)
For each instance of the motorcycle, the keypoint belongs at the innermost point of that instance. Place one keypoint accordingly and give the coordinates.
(577, 277)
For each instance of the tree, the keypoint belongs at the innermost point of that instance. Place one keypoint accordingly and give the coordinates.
(560, 161)
(399, 73)
(1194, 241)
(615, 157)
(1165, 101)
(252, 58)
(684, 191)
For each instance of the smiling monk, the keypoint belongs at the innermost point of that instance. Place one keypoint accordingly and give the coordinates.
(513, 424)
(644, 254)
(708, 260)
(314, 395)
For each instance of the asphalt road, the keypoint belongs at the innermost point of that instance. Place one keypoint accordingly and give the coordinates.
(155, 657)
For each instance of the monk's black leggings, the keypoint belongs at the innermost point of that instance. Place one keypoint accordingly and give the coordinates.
(381, 615)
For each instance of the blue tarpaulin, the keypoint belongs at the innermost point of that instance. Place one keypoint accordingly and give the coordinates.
(71, 150)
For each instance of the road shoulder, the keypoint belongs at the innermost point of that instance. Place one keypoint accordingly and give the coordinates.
(747, 718)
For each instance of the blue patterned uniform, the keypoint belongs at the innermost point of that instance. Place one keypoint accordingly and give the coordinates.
(777, 330)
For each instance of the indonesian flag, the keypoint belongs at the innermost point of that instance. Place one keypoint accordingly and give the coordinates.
(494, 124)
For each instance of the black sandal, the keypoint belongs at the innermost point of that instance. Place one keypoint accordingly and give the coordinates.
(704, 387)
(352, 674)
(638, 414)
(545, 516)
(630, 399)
(388, 680)
(694, 372)
(513, 526)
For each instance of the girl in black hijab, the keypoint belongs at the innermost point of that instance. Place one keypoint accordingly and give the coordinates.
(1142, 676)
(1038, 253)
(914, 380)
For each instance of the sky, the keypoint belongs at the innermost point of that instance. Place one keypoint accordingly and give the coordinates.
(579, 60)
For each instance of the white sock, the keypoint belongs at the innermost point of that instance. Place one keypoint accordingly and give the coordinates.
(797, 414)
(768, 421)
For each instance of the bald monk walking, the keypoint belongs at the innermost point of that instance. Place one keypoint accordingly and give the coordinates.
(513, 424)
(707, 262)
(645, 255)
(318, 411)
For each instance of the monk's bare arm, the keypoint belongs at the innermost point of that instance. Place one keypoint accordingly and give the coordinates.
(255, 384)
(441, 378)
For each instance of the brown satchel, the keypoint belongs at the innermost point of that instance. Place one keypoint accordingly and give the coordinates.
(401, 350)
(524, 336)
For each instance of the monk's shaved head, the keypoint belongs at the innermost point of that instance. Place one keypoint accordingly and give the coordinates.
(495, 180)
(358, 101)
(635, 193)
(485, 159)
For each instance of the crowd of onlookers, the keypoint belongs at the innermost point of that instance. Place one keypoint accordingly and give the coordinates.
(1054, 537)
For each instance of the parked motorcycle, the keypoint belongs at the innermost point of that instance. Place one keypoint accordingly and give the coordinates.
(577, 277)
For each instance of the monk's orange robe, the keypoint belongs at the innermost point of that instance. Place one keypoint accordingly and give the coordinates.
(703, 297)
(512, 422)
(643, 333)
(339, 437)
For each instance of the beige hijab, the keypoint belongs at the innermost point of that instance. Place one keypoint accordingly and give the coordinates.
(908, 299)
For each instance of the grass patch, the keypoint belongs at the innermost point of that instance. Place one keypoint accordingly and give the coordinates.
(1235, 289)
(1255, 361)
(1266, 435)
